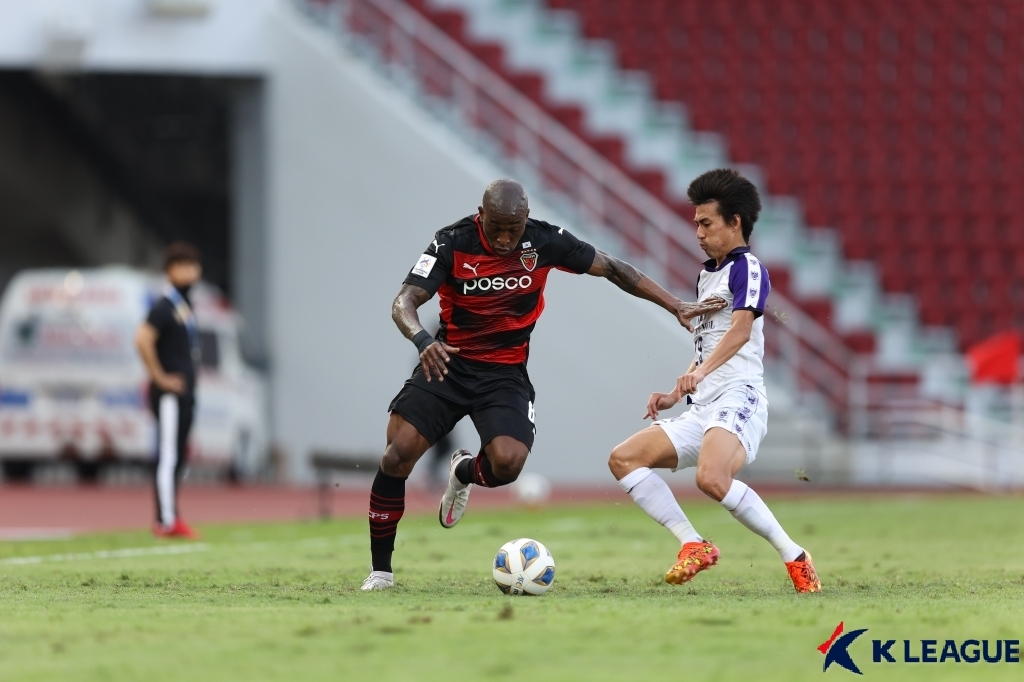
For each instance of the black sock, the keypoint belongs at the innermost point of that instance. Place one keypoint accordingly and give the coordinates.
(464, 471)
(483, 473)
(478, 470)
(387, 504)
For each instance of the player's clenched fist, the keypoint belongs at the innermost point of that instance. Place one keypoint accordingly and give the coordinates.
(687, 384)
(435, 358)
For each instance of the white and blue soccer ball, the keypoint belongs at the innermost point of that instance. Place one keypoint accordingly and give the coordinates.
(524, 566)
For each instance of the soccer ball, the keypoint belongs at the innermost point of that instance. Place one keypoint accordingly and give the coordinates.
(533, 490)
(524, 566)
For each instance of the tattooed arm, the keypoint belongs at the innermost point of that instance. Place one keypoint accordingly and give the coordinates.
(632, 281)
(404, 309)
(433, 357)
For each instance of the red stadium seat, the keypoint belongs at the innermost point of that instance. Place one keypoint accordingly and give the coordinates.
(820, 310)
(935, 315)
(860, 342)
(530, 84)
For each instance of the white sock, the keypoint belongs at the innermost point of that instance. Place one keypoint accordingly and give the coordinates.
(652, 494)
(750, 510)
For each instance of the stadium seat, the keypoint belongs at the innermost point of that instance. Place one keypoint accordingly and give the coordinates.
(860, 342)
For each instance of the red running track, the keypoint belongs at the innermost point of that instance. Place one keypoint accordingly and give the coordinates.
(40, 511)
(53, 511)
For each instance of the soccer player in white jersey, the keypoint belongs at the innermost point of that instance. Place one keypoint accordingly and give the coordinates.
(724, 383)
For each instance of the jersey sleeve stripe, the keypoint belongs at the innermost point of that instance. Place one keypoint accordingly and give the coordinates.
(738, 279)
(766, 287)
(753, 281)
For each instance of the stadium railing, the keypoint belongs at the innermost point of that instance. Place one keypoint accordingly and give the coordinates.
(519, 135)
(953, 446)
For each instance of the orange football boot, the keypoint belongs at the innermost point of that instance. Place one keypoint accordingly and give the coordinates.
(803, 575)
(694, 557)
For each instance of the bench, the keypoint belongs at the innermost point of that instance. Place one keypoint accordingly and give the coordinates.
(324, 463)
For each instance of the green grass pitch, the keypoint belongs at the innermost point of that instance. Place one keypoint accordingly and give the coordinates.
(281, 602)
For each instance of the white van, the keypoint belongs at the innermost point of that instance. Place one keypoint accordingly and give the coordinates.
(72, 385)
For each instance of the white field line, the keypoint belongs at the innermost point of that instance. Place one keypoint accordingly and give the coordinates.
(106, 554)
(36, 533)
(318, 542)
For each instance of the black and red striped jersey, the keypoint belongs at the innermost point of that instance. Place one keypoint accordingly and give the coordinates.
(490, 303)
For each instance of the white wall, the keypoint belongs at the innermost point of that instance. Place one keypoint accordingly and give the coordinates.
(360, 180)
(123, 35)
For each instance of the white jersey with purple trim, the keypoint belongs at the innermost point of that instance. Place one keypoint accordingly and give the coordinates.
(742, 281)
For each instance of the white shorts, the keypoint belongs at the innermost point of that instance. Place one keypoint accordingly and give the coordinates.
(742, 410)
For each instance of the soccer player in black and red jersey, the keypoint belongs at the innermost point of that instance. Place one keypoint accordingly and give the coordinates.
(489, 271)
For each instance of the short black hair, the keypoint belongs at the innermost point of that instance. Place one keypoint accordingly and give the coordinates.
(181, 252)
(736, 196)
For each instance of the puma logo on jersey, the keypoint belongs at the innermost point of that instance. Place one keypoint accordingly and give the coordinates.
(471, 267)
(437, 247)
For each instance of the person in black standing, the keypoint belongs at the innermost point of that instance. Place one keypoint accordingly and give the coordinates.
(168, 342)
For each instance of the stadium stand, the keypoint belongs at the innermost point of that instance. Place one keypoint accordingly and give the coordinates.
(897, 124)
(856, 239)
(845, 116)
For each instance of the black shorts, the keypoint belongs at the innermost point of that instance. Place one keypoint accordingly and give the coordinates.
(498, 398)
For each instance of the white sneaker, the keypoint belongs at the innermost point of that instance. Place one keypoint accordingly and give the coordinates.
(378, 580)
(456, 496)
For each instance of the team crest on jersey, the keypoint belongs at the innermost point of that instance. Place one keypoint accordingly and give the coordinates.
(723, 415)
(753, 292)
(529, 260)
(755, 275)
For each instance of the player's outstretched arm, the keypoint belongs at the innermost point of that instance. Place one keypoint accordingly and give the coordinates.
(632, 281)
(434, 355)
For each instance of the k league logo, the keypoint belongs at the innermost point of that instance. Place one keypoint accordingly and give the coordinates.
(949, 651)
